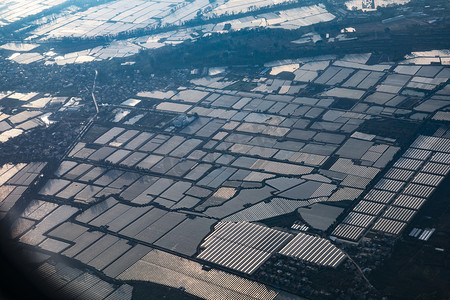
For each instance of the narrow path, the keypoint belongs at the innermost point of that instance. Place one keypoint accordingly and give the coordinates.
(93, 90)
(88, 124)
(360, 271)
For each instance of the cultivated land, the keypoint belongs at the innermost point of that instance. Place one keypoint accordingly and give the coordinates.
(234, 153)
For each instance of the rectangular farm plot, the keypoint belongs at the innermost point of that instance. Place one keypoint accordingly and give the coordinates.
(109, 135)
(186, 147)
(160, 227)
(82, 242)
(77, 171)
(356, 79)
(123, 138)
(186, 237)
(371, 80)
(389, 226)
(139, 186)
(327, 75)
(154, 143)
(93, 174)
(53, 186)
(111, 214)
(124, 180)
(348, 232)
(192, 96)
(150, 161)
(379, 98)
(96, 248)
(56, 217)
(139, 224)
(126, 218)
(173, 107)
(38, 209)
(133, 159)
(102, 153)
(117, 156)
(96, 210)
(138, 140)
(9, 195)
(165, 165)
(345, 93)
(20, 226)
(198, 171)
(397, 80)
(169, 145)
(71, 190)
(254, 244)
(110, 254)
(83, 153)
(126, 260)
(64, 167)
(68, 231)
(313, 249)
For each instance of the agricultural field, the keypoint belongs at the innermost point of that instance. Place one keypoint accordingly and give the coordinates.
(168, 17)
(190, 178)
(214, 149)
(15, 10)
